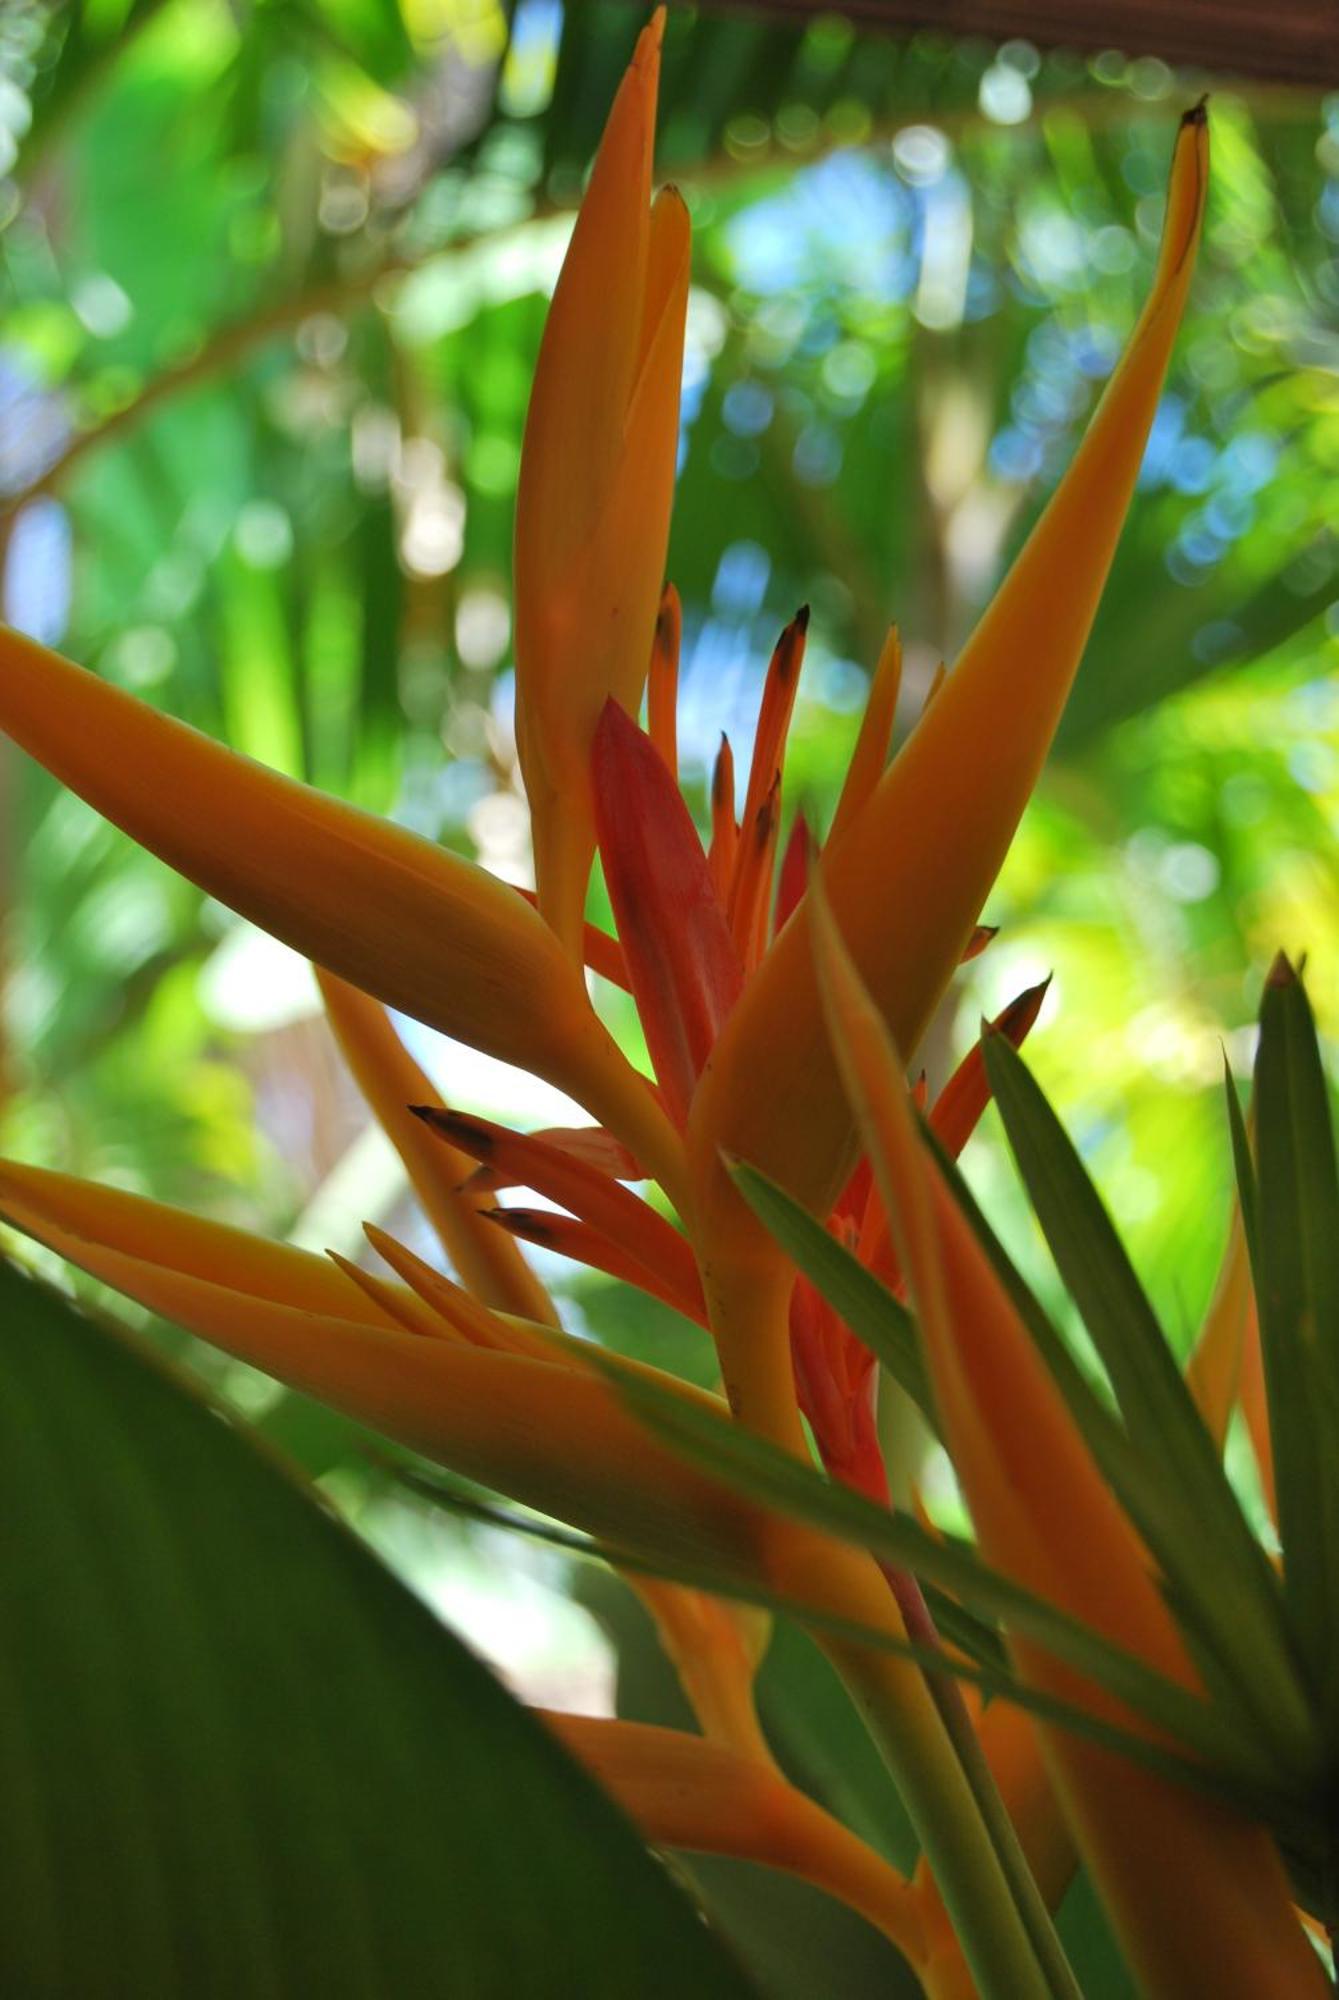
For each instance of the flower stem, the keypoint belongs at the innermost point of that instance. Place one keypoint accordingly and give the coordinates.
(902, 1717)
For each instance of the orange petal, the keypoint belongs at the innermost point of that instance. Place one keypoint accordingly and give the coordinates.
(1255, 1407)
(458, 1313)
(777, 706)
(402, 919)
(584, 1244)
(662, 688)
(597, 481)
(87, 1211)
(551, 1436)
(751, 886)
(599, 951)
(684, 1792)
(590, 1193)
(684, 969)
(590, 1144)
(799, 857)
(876, 733)
(724, 831)
(716, 1648)
(391, 1081)
(909, 873)
(1214, 1370)
(957, 1111)
(394, 1301)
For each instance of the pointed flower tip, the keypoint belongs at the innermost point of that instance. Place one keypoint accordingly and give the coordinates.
(449, 1124)
(1198, 113)
(526, 1223)
(1282, 972)
(377, 1237)
(723, 776)
(801, 619)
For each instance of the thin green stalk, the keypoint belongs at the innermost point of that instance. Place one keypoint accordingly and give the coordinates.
(944, 1810)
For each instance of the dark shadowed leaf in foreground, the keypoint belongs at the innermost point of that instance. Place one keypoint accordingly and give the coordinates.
(236, 1756)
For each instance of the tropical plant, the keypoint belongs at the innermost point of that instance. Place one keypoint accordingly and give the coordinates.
(772, 998)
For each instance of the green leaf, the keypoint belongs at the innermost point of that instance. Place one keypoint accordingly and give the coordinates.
(867, 1306)
(1213, 1560)
(1242, 1163)
(238, 1757)
(1297, 1285)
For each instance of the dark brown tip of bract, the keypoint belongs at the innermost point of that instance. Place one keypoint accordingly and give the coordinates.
(453, 1124)
(801, 619)
(1282, 971)
(719, 771)
(520, 1222)
(1198, 114)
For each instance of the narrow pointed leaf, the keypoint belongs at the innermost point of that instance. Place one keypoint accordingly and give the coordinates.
(876, 1318)
(957, 1110)
(1242, 1162)
(1297, 1278)
(1221, 1568)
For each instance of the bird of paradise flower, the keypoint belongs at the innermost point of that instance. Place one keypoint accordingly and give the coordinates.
(717, 946)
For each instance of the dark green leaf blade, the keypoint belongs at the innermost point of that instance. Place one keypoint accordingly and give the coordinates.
(1242, 1164)
(237, 1756)
(1213, 1559)
(1297, 1285)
